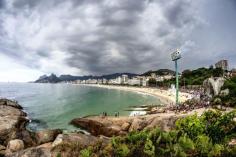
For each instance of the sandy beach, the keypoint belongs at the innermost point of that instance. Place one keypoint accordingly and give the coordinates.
(165, 96)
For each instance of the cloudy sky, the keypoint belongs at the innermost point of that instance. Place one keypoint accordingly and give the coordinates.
(96, 37)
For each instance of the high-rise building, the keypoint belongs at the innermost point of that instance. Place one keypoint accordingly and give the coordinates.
(223, 64)
(125, 79)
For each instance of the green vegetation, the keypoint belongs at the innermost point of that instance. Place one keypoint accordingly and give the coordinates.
(230, 99)
(152, 82)
(196, 77)
(207, 135)
(159, 72)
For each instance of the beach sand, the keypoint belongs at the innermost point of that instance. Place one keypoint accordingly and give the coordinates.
(165, 96)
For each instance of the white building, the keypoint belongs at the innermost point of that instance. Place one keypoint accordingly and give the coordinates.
(134, 81)
(91, 81)
(104, 81)
(125, 79)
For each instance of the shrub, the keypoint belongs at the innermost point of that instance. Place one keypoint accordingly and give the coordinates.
(122, 150)
(218, 125)
(149, 148)
(206, 135)
(86, 152)
(191, 125)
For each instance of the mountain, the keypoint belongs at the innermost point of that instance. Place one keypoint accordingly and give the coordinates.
(160, 72)
(48, 79)
(54, 79)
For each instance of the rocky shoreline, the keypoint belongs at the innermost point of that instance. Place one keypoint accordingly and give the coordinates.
(17, 141)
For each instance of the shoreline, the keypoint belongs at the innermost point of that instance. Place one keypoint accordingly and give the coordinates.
(166, 97)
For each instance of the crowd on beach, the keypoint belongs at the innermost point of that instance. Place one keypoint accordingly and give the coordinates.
(104, 114)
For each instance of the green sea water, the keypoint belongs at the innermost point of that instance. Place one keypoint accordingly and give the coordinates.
(55, 105)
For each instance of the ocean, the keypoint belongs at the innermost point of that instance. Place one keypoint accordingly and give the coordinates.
(51, 106)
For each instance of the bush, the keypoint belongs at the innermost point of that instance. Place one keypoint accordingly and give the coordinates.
(207, 135)
(149, 148)
(218, 125)
(230, 99)
(86, 152)
(191, 125)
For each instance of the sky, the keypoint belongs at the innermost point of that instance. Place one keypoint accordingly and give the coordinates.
(81, 37)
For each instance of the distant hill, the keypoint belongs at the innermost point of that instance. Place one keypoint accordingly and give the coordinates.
(48, 79)
(54, 79)
(159, 72)
(115, 75)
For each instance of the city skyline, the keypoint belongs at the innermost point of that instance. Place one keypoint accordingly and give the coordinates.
(104, 37)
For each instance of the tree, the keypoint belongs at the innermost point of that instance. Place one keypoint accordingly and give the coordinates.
(152, 82)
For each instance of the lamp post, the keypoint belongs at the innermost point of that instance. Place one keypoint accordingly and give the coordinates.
(175, 56)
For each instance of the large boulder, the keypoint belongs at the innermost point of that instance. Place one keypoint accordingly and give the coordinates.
(96, 126)
(11, 103)
(2, 150)
(212, 86)
(82, 139)
(14, 146)
(12, 120)
(164, 123)
(71, 144)
(137, 125)
(125, 126)
(39, 151)
(46, 136)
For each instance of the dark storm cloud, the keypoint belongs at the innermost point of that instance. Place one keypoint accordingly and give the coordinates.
(96, 37)
(2, 3)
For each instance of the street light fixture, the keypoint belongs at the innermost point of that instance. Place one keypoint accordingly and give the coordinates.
(176, 56)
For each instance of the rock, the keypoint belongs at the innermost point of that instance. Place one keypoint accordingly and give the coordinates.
(28, 138)
(212, 86)
(46, 136)
(71, 144)
(125, 126)
(11, 103)
(39, 151)
(224, 92)
(12, 120)
(137, 125)
(97, 128)
(82, 139)
(92, 126)
(110, 131)
(232, 143)
(14, 146)
(2, 150)
(164, 123)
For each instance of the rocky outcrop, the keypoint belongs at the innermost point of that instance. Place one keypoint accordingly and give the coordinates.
(53, 149)
(104, 127)
(14, 146)
(12, 121)
(2, 150)
(13, 132)
(39, 151)
(79, 138)
(46, 136)
(112, 126)
(212, 86)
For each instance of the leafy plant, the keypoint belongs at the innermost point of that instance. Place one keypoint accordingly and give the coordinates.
(86, 152)
(149, 148)
(191, 125)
